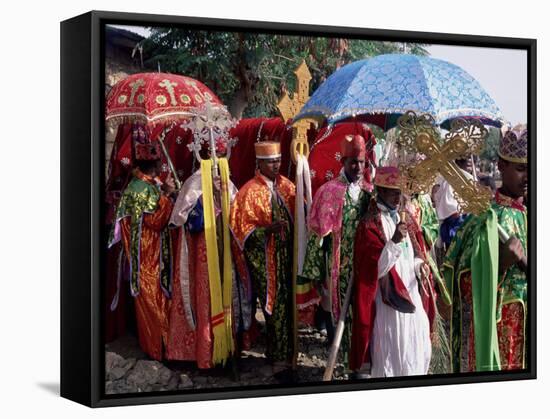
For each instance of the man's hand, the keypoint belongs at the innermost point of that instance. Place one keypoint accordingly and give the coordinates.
(400, 233)
(511, 253)
(278, 227)
(425, 270)
(169, 186)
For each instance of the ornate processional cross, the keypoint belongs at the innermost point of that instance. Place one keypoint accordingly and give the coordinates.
(466, 138)
(289, 108)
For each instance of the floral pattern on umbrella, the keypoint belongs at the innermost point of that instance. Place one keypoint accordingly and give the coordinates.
(395, 83)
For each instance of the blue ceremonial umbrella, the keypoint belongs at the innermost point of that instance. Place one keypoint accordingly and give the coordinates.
(392, 84)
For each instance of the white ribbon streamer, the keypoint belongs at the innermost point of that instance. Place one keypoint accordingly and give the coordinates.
(303, 181)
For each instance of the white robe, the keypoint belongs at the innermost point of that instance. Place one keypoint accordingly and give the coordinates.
(190, 193)
(445, 201)
(400, 341)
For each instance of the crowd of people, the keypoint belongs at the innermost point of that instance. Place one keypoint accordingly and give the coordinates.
(203, 260)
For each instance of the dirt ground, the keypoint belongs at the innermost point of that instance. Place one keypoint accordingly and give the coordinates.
(129, 370)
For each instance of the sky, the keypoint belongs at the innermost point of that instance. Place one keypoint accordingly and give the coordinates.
(501, 72)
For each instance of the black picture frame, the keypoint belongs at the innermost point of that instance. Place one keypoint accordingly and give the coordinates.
(82, 179)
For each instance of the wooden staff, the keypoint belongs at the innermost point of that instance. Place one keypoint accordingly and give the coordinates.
(335, 346)
(169, 160)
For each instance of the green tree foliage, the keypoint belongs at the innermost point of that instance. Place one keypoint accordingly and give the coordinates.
(249, 71)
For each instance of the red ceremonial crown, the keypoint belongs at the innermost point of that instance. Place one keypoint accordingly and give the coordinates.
(388, 177)
(353, 146)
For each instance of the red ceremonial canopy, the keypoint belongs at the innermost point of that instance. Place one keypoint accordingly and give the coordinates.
(248, 131)
(251, 130)
(324, 158)
(150, 98)
(161, 101)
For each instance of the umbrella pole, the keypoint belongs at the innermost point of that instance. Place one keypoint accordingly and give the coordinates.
(169, 160)
(215, 171)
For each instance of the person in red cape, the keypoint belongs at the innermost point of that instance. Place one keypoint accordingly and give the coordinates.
(391, 328)
(337, 208)
(140, 222)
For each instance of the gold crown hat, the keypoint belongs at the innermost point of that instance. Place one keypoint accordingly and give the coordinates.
(267, 150)
(388, 177)
(513, 145)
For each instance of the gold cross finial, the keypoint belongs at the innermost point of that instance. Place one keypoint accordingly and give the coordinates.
(303, 76)
(289, 108)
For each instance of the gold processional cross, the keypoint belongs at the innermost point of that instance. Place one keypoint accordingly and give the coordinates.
(289, 108)
(466, 138)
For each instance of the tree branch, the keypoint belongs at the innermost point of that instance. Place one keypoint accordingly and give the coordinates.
(286, 58)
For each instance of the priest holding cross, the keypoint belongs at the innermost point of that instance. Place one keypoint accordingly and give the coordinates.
(488, 280)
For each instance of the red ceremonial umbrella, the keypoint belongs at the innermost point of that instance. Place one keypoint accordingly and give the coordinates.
(152, 98)
(160, 101)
